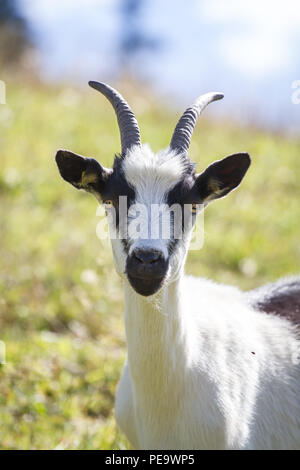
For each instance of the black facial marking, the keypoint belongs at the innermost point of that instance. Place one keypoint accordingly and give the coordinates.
(181, 194)
(116, 186)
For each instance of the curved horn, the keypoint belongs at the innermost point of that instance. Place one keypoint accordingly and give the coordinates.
(183, 131)
(128, 125)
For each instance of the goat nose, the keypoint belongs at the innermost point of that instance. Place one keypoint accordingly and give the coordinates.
(147, 257)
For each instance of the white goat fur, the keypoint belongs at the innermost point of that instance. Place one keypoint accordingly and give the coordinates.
(204, 369)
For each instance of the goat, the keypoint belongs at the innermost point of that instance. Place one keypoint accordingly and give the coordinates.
(208, 366)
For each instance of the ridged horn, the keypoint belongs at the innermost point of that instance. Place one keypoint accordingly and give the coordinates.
(182, 134)
(128, 125)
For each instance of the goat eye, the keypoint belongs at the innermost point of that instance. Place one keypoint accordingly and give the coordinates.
(108, 204)
(194, 208)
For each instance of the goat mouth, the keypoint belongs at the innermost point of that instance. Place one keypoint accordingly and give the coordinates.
(146, 286)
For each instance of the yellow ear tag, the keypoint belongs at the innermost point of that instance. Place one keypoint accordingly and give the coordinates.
(214, 185)
(89, 178)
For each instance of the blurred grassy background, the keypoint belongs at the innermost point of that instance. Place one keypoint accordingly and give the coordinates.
(60, 300)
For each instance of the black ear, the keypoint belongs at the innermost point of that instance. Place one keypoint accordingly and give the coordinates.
(81, 172)
(222, 176)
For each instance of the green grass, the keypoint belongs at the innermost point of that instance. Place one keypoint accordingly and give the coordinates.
(60, 299)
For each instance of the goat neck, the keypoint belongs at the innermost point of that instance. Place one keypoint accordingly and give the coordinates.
(157, 342)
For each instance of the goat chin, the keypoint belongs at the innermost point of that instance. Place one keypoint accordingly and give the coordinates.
(146, 287)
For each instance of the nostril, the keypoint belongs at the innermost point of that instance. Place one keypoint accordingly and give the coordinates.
(147, 256)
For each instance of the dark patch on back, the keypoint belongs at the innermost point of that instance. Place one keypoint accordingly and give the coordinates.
(281, 298)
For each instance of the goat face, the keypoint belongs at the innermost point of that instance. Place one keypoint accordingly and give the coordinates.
(151, 234)
(151, 200)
